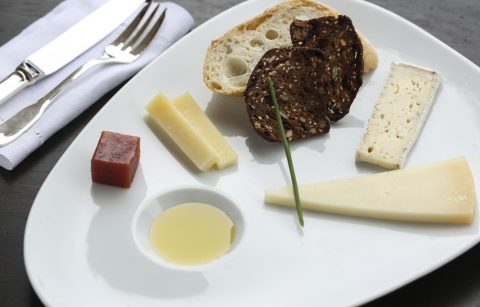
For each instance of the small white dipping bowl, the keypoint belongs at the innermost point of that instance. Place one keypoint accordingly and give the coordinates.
(151, 208)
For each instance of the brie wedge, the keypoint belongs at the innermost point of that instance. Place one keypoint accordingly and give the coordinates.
(398, 115)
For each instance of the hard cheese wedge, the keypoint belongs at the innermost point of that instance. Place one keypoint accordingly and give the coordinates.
(197, 118)
(182, 132)
(187, 125)
(442, 192)
(398, 115)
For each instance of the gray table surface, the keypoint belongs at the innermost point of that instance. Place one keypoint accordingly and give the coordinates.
(456, 22)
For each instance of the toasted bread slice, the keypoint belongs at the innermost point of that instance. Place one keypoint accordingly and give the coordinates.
(231, 59)
(339, 41)
(302, 108)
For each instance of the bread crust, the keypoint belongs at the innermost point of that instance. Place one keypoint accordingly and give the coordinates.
(215, 48)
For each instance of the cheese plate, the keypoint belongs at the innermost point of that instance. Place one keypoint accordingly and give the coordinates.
(79, 249)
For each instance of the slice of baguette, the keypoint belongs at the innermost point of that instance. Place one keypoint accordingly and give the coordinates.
(231, 59)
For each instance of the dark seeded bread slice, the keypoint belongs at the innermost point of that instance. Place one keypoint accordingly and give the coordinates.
(296, 73)
(337, 38)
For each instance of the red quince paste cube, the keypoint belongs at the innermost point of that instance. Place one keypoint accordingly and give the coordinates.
(115, 159)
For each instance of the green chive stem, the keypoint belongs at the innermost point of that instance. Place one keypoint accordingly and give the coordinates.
(298, 204)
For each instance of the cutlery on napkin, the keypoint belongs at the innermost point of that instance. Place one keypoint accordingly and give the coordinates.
(68, 45)
(85, 91)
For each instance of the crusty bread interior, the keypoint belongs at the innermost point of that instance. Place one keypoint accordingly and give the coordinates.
(231, 59)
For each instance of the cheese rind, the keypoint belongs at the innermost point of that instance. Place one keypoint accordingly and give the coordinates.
(182, 132)
(441, 192)
(398, 115)
(186, 105)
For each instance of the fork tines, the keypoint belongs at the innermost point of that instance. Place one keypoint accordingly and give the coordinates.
(133, 41)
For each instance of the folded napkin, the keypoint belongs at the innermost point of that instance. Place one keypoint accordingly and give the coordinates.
(84, 91)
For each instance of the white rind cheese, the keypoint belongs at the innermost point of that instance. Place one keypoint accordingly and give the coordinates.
(398, 115)
(441, 192)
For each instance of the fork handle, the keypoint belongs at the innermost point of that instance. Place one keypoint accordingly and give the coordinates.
(23, 120)
(77, 73)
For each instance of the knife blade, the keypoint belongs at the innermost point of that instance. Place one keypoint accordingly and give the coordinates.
(68, 45)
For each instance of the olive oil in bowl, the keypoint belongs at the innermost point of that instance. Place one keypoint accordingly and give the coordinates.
(192, 233)
(188, 228)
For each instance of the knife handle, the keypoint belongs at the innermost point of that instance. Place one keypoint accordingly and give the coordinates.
(24, 75)
(19, 123)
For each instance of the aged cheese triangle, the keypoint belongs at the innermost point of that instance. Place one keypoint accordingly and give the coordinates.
(441, 192)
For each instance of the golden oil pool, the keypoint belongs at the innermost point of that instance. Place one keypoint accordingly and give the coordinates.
(192, 233)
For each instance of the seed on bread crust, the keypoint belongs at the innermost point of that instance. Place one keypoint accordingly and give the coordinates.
(337, 38)
(295, 72)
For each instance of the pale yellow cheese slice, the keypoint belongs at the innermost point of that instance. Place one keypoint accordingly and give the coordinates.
(398, 115)
(186, 105)
(441, 192)
(182, 132)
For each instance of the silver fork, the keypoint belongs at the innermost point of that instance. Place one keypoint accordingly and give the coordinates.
(125, 49)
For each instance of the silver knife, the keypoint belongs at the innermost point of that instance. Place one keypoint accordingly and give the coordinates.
(68, 45)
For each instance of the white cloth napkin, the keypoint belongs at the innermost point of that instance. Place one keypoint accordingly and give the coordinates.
(84, 91)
